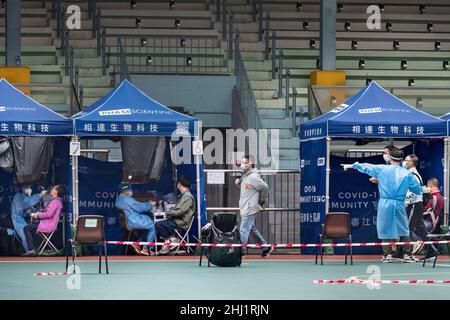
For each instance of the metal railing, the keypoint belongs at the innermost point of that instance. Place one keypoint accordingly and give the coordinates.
(279, 222)
(122, 64)
(280, 73)
(246, 94)
(173, 54)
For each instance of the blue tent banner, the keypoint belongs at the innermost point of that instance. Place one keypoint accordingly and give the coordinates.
(312, 191)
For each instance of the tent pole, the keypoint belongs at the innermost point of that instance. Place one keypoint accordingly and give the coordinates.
(327, 181)
(75, 185)
(197, 168)
(446, 179)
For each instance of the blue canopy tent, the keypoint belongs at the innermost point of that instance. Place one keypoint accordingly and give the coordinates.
(371, 114)
(446, 118)
(21, 116)
(127, 111)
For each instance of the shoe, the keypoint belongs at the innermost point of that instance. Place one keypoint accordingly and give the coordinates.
(30, 253)
(417, 248)
(144, 252)
(388, 258)
(266, 252)
(164, 250)
(409, 258)
(137, 249)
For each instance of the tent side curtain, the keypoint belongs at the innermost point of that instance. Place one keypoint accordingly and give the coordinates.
(20, 115)
(374, 113)
(127, 111)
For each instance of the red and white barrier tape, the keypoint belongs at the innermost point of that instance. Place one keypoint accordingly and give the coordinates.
(45, 274)
(357, 281)
(276, 245)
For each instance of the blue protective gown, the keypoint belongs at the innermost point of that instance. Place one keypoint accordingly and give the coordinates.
(393, 183)
(20, 203)
(134, 210)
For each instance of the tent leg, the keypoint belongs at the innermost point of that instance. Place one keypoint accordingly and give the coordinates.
(446, 180)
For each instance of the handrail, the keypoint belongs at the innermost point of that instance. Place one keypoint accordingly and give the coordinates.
(122, 62)
(286, 107)
(260, 22)
(273, 52)
(294, 112)
(230, 35)
(280, 74)
(267, 35)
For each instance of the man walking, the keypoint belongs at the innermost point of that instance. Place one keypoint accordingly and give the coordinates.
(254, 193)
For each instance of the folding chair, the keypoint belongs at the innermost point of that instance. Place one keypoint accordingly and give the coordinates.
(428, 247)
(46, 240)
(90, 231)
(337, 227)
(184, 237)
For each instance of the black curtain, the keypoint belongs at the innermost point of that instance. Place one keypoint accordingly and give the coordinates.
(143, 158)
(32, 158)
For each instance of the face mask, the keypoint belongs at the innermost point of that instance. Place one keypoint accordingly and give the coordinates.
(404, 165)
(242, 167)
(386, 157)
(28, 191)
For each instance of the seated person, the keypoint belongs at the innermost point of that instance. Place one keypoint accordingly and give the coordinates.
(49, 219)
(178, 217)
(135, 214)
(21, 203)
(434, 206)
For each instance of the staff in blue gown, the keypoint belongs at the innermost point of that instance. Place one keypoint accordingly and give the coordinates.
(394, 181)
(22, 201)
(135, 214)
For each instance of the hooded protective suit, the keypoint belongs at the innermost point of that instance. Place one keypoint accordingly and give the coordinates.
(134, 211)
(393, 184)
(20, 203)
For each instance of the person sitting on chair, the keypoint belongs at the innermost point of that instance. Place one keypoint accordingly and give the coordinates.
(49, 219)
(135, 215)
(178, 217)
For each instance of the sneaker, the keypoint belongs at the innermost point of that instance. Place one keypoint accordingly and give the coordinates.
(30, 253)
(417, 248)
(164, 250)
(388, 258)
(266, 252)
(409, 258)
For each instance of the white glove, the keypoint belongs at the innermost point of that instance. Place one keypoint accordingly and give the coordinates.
(425, 189)
(237, 182)
(347, 166)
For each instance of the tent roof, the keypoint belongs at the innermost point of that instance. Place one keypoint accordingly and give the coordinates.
(373, 112)
(20, 115)
(127, 111)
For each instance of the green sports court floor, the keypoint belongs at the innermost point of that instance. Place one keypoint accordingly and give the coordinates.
(279, 277)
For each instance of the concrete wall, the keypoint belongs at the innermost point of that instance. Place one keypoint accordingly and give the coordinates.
(208, 97)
